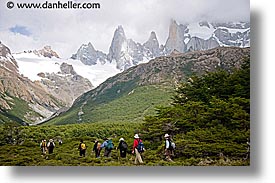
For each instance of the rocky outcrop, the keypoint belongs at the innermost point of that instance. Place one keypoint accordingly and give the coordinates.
(41, 98)
(125, 52)
(122, 50)
(170, 70)
(6, 59)
(175, 40)
(65, 85)
(14, 86)
(151, 47)
(46, 52)
(162, 72)
(67, 69)
(182, 37)
(240, 39)
(118, 45)
(89, 56)
(196, 44)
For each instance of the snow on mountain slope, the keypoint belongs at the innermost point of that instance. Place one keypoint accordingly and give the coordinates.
(185, 37)
(203, 31)
(30, 65)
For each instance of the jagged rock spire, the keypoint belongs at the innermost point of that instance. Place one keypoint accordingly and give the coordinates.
(152, 45)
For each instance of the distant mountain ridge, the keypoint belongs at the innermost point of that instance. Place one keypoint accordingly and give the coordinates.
(21, 99)
(25, 101)
(164, 73)
(46, 51)
(204, 35)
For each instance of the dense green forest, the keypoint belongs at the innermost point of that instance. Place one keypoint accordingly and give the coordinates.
(208, 118)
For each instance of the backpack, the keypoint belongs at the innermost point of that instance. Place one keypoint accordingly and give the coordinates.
(124, 145)
(83, 146)
(140, 146)
(110, 145)
(51, 146)
(172, 145)
(98, 146)
(44, 144)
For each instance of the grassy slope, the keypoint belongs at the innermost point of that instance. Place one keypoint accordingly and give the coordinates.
(131, 106)
(18, 112)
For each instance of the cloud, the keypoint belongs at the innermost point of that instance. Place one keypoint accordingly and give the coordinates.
(21, 30)
(66, 30)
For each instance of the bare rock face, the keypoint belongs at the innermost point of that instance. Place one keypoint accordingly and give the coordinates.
(67, 69)
(184, 38)
(6, 59)
(178, 67)
(196, 44)
(89, 56)
(240, 39)
(119, 50)
(152, 46)
(66, 85)
(15, 86)
(46, 52)
(175, 39)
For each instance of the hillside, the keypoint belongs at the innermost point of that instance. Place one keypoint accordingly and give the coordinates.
(160, 75)
(208, 120)
(22, 100)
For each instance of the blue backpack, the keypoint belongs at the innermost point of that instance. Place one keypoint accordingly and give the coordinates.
(140, 147)
(110, 145)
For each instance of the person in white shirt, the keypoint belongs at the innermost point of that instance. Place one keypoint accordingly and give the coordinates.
(168, 148)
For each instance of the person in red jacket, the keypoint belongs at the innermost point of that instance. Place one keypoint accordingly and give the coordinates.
(135, 149)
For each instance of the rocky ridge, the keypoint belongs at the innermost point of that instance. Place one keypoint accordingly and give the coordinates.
(65, 85)
(170, 70)
(13, 85)
(203, 35)
(42, 97)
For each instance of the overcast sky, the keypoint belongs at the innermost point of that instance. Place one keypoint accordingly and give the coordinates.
(66, 30)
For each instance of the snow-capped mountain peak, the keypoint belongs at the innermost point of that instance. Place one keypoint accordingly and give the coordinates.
(88, 55)
(125, 52)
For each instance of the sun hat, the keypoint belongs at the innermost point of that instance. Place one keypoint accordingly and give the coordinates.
(166, 135)
(136, 136)
(121, 139)
(51, 140)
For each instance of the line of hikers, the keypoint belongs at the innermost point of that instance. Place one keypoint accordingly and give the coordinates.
(137, 148)
(44, 146)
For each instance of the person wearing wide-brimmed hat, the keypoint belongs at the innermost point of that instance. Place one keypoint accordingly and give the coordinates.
(135, 150)
(168, 147)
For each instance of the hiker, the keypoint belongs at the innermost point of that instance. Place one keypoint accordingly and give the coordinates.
(43, 146)
(50, 146)
(169, 147)
(109, 146)
(82, 148)
(122, 146)
(97, 149)
(138, 148)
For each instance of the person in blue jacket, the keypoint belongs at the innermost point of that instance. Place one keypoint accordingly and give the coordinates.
(108, 145)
